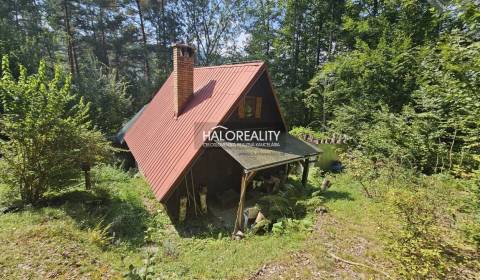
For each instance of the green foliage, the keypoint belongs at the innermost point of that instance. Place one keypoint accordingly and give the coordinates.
(212, 25)
(419, 244)
(295, 38)
(264, 16)
(447, 99)
(100, 235)
(430, 231)
(261, 227)
(298, 131)
(74, 227)
(427, 222)
(399, 77)
(427, 244)
(275, 207)
(121, 205)
(170, 248)
(407, 86)
(286, 226)
(145, 272)
(107, 94)
(290, 210)
(62, 230)
(47, 133)
(415, 104)
(377, 176)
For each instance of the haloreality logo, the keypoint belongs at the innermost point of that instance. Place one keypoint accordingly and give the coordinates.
(221, 135)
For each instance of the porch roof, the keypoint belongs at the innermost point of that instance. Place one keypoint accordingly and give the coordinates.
(253, 158)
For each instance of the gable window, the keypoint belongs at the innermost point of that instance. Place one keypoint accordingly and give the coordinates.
(250, 108)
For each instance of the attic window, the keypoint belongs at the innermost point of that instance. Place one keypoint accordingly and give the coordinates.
(250, 108)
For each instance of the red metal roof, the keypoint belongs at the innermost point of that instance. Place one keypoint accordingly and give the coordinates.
(164, 147)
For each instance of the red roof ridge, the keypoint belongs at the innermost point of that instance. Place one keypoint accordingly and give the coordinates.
(233, 64)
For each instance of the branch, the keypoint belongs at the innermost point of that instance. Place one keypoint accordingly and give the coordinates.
(358, 264)
(451, 150)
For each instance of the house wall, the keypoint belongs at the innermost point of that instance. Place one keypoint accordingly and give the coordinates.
(217, 170)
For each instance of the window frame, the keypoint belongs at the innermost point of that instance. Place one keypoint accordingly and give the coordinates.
(256, 105)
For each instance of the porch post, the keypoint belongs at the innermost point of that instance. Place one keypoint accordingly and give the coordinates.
(306, 166)
(239, 219)
(246, 178)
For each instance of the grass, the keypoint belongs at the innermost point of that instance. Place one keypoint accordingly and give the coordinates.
(350, 230)
(64, 238)
(224, 258)
(100, 233)
(48, 244)
(357, 231)
(59, 240)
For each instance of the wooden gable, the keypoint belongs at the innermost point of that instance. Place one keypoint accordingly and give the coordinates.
(259, 108)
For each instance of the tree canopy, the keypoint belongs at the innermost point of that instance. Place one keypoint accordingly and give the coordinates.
(399, 77)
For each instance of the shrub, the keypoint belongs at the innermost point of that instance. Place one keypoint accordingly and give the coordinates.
(428, 244)
(106, 91)
(287, 225)
(377, 175)
(144, 272)
(434, 232)
(298, 131)
(46, 131)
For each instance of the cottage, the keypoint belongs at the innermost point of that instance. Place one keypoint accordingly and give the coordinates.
(209, 132)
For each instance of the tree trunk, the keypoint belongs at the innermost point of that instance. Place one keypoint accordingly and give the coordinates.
(72, 56)
(296, 44)
(88, 180)
(86, 171)
(164, 25)
(331, 37)
(375, 8)
(144, 40)
(318, 47)
(102, 34)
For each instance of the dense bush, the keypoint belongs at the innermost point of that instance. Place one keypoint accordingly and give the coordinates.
(418, 104)
(430, 243)
(434, 234)
(47, 133)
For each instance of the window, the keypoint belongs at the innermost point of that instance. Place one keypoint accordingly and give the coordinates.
(250, 108)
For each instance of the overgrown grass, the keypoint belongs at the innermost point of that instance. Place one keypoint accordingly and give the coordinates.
(68, 236)
(224, 258)
(46, 243)
(351, 230)
(408, 226)
(100, 233)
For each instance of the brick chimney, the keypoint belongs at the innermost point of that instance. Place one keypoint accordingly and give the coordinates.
(183, 60)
